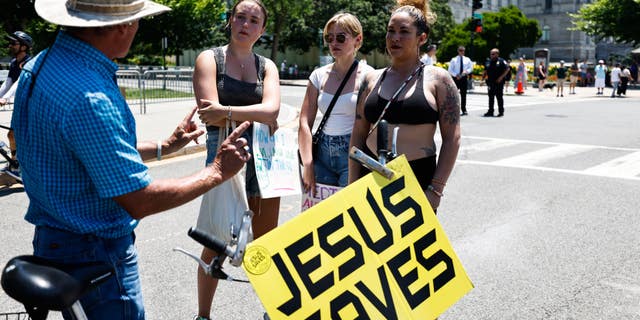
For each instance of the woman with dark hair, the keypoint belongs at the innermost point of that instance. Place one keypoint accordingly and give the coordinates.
(233, 83)
(429, 100)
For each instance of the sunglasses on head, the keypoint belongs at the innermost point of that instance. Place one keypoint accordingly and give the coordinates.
(341, 38)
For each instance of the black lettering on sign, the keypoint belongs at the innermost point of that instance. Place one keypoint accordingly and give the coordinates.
(314, 316)
(429, 263)
(344, 299)
(387, 240)
(405, 204)
(293, 304)
(388, 310)
(305, 269)
(340, 246)
(404, 282)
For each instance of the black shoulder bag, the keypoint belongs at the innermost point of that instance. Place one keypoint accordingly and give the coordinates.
(316, 136)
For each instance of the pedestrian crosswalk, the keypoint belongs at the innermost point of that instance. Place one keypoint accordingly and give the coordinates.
(591, 160)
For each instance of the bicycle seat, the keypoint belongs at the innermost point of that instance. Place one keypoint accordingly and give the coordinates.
(37, 282)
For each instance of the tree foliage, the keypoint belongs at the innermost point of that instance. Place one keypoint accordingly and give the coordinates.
(610, 18)
(191, 24)
(507, 30)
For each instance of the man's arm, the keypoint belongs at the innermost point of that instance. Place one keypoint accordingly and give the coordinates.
(161, 195)
(185, 132)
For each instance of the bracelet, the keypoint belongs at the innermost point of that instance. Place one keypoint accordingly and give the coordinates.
(438, 181)
(159, 150)
(229, 113)
(436, 192)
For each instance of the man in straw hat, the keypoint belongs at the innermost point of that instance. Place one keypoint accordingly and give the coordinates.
(82, 167)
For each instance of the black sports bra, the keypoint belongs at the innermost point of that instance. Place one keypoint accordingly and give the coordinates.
(414, 109)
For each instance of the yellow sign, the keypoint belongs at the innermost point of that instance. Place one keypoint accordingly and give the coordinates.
(373, 250)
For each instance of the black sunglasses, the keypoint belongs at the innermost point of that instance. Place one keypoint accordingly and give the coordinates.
(14, 43)
(341, 38)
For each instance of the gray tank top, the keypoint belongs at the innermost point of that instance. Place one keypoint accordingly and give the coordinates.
(236, 92)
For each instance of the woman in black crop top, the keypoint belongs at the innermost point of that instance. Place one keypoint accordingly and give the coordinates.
(430, 99)
(233, 82)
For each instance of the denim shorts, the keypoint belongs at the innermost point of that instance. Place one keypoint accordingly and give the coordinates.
(332, 163)
(252, 188)
(119, 297)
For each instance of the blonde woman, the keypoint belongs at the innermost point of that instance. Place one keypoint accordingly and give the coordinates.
(343, 35)
(233, 82)
(430, 99)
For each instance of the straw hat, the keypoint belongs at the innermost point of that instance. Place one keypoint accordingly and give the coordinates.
(96, 13)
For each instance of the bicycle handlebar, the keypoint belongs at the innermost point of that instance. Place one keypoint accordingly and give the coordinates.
(209, 241)
(382, 141)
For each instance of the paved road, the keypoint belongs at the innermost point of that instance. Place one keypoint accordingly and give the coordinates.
(541, 209)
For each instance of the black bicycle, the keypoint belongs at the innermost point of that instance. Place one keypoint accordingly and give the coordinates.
(10, 174)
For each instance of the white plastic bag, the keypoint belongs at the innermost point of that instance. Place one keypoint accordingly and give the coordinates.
(222, 207)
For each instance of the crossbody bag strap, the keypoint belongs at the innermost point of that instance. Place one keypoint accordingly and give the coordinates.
(396, 94)
(316, 135)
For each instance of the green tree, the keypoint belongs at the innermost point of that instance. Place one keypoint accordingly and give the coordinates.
(507, 30)
(444, 22)
(610, 18)
(191, 24)
(288, 20)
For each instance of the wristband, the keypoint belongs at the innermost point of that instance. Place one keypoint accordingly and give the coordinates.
(229, 113)
(436, 192)
(159, 150)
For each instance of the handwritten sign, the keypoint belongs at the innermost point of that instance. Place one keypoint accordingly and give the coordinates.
(323, 191)
(373, 250)
(276, 161)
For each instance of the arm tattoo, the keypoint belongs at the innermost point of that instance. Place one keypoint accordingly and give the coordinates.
(450, 108)
(363, 88)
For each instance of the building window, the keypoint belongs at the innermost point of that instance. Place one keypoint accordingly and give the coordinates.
(547, 5)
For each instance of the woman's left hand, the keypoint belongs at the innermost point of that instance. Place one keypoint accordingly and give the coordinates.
(212, 113)
(434, 200)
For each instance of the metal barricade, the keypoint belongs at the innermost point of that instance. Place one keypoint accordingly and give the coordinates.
(130, 84)
(167, 85)
(155, 86)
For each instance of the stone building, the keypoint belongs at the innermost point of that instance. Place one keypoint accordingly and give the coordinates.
(553, 18)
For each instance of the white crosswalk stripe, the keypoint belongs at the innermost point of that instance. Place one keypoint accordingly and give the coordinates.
(623, 163)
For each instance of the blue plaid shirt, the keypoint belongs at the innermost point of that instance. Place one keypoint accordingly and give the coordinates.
(77, 141)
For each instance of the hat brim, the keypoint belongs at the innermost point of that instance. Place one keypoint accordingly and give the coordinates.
(56, 12)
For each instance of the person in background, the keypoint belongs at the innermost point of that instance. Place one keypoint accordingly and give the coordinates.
(460, 68)
(561, 74)
(82, 165)
(507, 79)
(430, 99)
(495, 71)
(583, 73)
(573, 77)
(521, 74)
(429, 57)
(232, 82)
(625, 78)
(615, 79)
(20, 44)
(343, 35)
(542, 76)
(601, 72)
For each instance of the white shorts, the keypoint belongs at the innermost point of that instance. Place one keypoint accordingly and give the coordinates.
(599, 83)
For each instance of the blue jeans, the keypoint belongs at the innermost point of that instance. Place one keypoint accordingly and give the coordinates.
(252, 188)
(119, 297)
(332, 164)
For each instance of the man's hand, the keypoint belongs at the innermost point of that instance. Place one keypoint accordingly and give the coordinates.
(233, 153)
(3, 101)
(186, 132)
